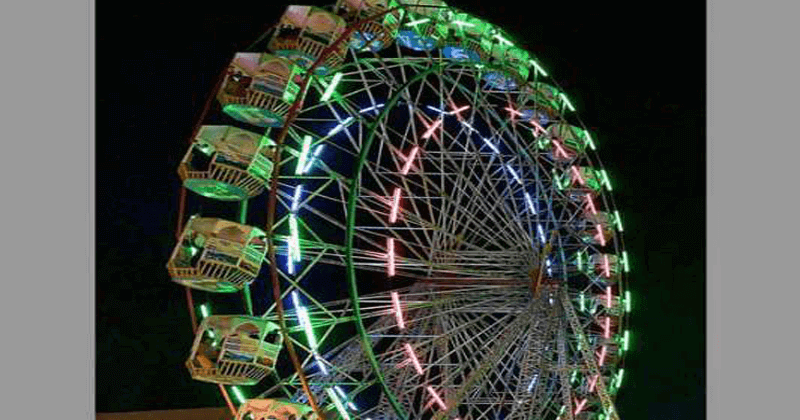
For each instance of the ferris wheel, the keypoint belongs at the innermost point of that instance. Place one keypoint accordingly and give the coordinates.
(440, 240)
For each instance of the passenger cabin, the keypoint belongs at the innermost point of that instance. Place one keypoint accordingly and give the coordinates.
(216, 255)
(465, 38)
(304, 32)
(508, 65)
(234, 350)
(376, 33)
(227, 163)
(565, 142)
(541, 102)
(259, 88)
(581, 178)
(274, 409)
(607, 266)
(423, 27)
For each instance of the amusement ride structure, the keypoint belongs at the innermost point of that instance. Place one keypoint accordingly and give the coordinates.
(437, 240)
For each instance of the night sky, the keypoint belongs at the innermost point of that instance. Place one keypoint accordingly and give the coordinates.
(636, 76)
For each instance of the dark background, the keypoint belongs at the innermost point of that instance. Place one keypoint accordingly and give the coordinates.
(636, 75)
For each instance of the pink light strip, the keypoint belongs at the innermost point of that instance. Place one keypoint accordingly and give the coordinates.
(606, 266)
(607, 333)
(602, 356)
(457, 111)
(390, 257)
(395, 205)
(513, 111)
(414, 360)
(410, 160)
(580, 405)
(599, 234)
(537, 128)
(432, 128)
(608, 296)
(590, 203)
(593, 382)
(560, 149)
(437, 398)
(398, 313)
(577, 175)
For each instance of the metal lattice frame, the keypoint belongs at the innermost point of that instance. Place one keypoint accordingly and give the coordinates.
(418, 178)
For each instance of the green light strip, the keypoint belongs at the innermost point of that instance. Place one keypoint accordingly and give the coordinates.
(589, 140)
(618, 221)
(295, 237)
(583, 303)
(331, 87)
(619, 377)
(627, 301)
(625, 261)
(301, 163)
(625, 341)
(539, 69)
(418, 22)
(462, 23)
(605, 179)
(339, 407)
(238, 393)
(567, 102)
(503, 40)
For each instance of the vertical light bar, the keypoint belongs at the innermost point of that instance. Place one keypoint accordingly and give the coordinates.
(567, 102)
(589, 140)
(593, 382)
(619, 377)
(491, 146)
(290, 256)
(601, 235)
(513, 174)
(583, 302)
(625, 261)
(625, 340)
(390, 269)
(398, 313)
(606, 266)
(618, 221)
(295, 237)
(602, 356)
(298, 191)
(331, 87)
(627, 301)
(577, 174)
(607, 328)
(530, 203)
(336, 402)
(437, 398)
(538, 68)
(395, 205)
(314, 157)
(580, 264)
(410, 160)
(590, 204)
(605, 179)
(238, 393)
(431, 129)
(414, 360)
(301, 163)
(541, 233)
(579, 405)
(204, 310)
(608, 296)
